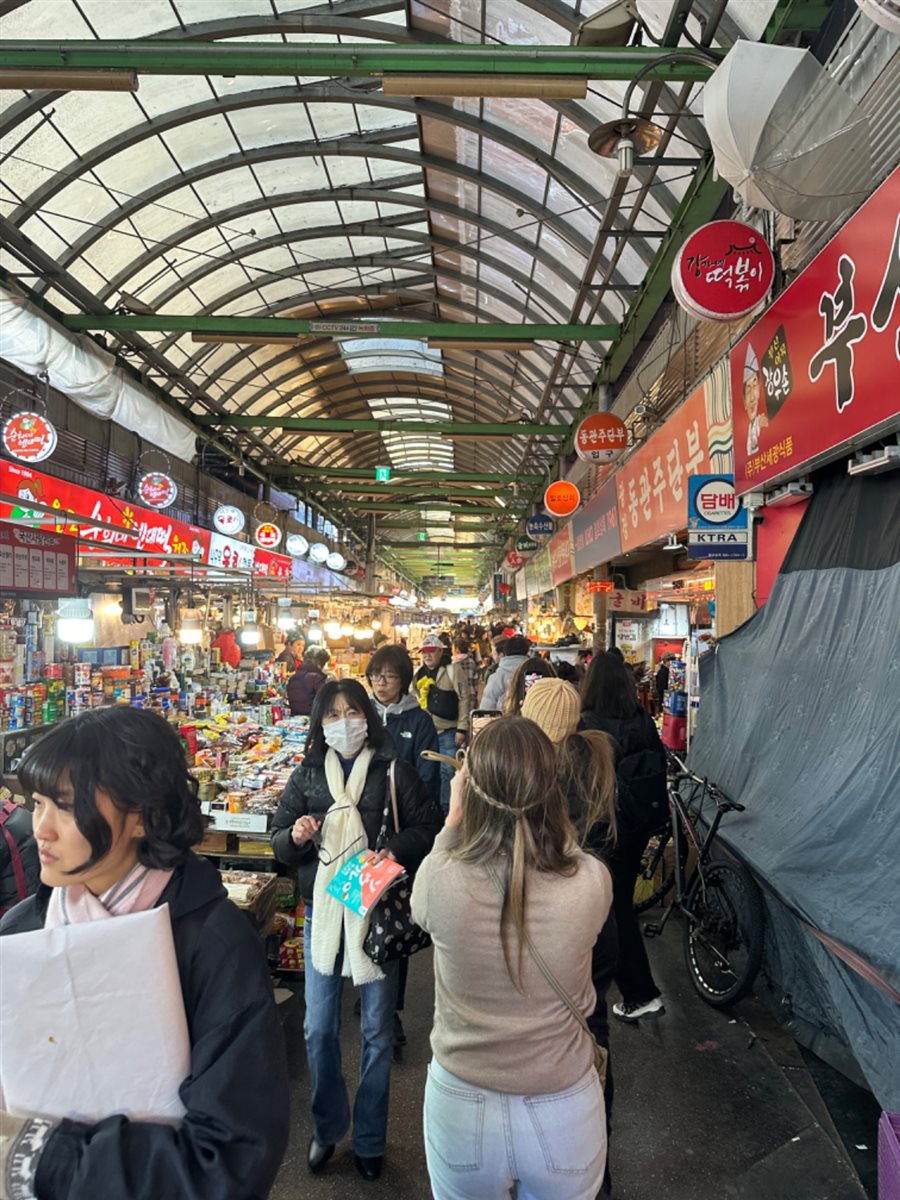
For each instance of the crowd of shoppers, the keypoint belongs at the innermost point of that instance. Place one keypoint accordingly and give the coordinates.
(523, 854)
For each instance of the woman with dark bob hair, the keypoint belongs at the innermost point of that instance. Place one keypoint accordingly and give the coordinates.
(334, 806)
(115, 817)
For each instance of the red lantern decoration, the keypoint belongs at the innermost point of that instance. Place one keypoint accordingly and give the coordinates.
(504, 589)
(562, 498)
(601, 438)
(724, 270)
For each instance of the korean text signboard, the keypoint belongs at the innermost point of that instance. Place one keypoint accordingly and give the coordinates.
(718, 526)
(652, 487)
(562, 560)
(36, 564)
(815, 372)
(116, 523)
(595, 530)
(724, 270)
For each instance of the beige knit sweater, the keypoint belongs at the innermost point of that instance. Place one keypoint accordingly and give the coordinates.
(485, 1030)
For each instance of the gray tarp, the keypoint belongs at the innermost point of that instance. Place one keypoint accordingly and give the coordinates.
(799, 721)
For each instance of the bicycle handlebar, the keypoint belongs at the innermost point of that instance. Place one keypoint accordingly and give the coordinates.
(722, 801)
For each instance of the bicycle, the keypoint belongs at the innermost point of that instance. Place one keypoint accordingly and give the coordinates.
(721, 903)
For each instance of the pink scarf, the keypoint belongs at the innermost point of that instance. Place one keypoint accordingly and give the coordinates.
(137, 891)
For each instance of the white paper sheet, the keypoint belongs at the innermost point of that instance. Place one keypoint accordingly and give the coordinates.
(92, 1021)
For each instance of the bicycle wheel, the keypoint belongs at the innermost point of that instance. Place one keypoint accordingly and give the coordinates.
(723, 932)
(656, 876)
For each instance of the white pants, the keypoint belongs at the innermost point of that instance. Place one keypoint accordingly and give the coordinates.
(484, 1145)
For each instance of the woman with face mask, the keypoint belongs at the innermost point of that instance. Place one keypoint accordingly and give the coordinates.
(332, 808)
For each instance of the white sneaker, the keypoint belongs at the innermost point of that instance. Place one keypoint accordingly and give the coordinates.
(633, 1012)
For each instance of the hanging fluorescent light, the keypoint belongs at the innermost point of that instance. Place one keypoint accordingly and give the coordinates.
(68, 81)
(523, 87)
(361, 633)
(314, 634)
(333, 631)
(191, 631)
(285, 619)
(347, 631)
(249, 634)
(76, 622)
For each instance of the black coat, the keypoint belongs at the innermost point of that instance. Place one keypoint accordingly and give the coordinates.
(18, 824)
(640, 768)
(232, 1140)
(307, 793)
(302, 687)
(412, 732)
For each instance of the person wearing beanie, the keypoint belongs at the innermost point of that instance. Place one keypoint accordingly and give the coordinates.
(531, 671)
(586, 766)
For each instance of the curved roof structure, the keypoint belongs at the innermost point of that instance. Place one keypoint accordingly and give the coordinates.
(323, 199)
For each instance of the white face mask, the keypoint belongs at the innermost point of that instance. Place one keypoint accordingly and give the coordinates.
(346, 736)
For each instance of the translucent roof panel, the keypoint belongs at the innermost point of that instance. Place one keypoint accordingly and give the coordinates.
(324, 199)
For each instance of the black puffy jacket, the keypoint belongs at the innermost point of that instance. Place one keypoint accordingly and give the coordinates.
(233, 1137)
(307, 793)
(640, 768)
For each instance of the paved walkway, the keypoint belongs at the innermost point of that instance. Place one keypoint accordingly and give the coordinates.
(709, 1106)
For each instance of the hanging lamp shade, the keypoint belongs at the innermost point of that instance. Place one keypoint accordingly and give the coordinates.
(785, 135)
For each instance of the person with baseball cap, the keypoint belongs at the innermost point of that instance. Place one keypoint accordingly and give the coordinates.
(444, 692)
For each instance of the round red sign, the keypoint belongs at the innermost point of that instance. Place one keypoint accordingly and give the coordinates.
(724, 270)
(268, 535)
(561, 498)
(601, 438)
(29, 437)
(514, 561)
(157, 489)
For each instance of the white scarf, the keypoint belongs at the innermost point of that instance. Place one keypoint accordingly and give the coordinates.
(331, 918)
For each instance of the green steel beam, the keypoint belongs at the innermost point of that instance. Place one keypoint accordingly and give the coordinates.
(417, 492)
(235, 327)
(366, 425)
(414, 504)
(265, 58)
(336, 473)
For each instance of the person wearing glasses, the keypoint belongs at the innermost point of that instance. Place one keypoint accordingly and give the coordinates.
(390, 673)
(333, 807)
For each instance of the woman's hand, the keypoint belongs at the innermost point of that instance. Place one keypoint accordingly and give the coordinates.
(457, 787)
(379, 855)
(304, 829)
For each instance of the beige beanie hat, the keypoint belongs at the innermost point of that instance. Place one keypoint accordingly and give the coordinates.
(554, 705)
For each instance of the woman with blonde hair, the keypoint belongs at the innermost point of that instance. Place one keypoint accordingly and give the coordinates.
(514, 908)
(525, 675)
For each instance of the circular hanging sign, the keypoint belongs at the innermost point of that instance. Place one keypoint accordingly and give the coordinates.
(539, 526)
(601, 438)
(562, 498)
(319, 552)
(715, 502)
(296, 545)
(228, 519)
(267, 535)
(514, 561)
(724, 270)
(157, 489)
(526, 545)
(29, 437)
(335, 561)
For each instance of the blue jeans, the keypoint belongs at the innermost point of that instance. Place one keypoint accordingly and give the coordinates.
(322, 1031)
(481, 1144)
(446, 745)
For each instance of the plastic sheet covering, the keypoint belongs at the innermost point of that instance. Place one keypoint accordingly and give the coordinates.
(87, 376)
(798, 721)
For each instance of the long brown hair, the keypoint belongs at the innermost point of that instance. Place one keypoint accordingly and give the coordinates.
(515, 818)
(515, 693)
(587, 774)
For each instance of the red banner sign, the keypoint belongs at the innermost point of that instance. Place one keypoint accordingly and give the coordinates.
(117, 523)
(601, 585)
(652, 486)
(819, 370)
(268, 565)
(562, 556)
(36, 564)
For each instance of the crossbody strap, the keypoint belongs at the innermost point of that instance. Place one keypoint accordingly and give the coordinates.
(600, 1053)
(392, 778)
